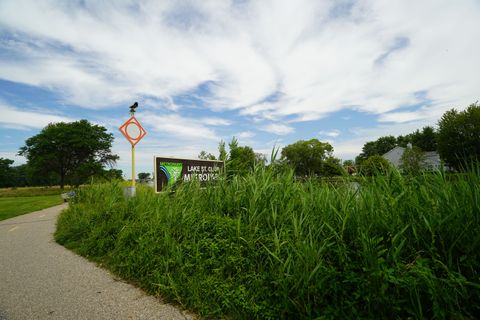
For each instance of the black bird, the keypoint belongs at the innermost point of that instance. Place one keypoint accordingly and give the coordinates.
(133, 107)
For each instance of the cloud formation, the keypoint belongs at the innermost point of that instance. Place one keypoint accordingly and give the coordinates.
(12, 117)
(268, 59)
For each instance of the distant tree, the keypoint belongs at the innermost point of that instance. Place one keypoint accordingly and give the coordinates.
(375, 165)
(222, 151)
(425, 139)
(378, 147)
(412, 161)
(21, 176)
(73, 151)
(114, 174)
(203, 155)
(143, 176)
(307, 157)
(333, 167)
(349, 166)
(6, 173)
(459, 136)
(241, 159)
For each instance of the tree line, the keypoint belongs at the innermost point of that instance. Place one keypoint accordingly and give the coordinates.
(457, 141)
(72, 153)
(63, 153)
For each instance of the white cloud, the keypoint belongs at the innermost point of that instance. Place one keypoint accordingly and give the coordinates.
(176, 127)
(331, 133)
(212, 121)
(277, 128)
(245, 135)
(23, 120)
(271, 60)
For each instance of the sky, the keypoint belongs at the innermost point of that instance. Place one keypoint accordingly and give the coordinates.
(269, 72)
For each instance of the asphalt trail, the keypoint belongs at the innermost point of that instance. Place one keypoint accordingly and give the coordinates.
(40, 279)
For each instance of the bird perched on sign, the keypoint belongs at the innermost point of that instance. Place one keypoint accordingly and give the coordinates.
(133, 107)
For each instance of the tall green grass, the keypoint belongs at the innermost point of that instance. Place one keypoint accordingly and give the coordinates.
(268, 246)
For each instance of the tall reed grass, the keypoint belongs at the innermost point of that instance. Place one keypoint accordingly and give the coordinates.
(267, 246)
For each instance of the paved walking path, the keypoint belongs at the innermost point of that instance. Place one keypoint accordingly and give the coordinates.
(40, 279)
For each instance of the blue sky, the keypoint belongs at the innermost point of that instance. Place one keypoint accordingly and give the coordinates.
(267, 72)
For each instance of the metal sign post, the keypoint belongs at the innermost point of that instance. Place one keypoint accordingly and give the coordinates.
(134, 132)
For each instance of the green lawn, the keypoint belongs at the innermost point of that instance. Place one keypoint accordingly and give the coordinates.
(14, 206)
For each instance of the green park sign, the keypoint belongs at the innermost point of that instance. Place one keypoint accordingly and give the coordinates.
(169, 171)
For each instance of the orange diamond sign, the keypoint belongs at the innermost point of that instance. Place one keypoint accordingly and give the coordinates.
(132, 130)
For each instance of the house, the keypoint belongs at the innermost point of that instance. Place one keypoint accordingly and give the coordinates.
(432, 159)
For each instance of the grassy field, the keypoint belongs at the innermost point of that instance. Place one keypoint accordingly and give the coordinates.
(269, 247)
(14, 206)
(31, 191)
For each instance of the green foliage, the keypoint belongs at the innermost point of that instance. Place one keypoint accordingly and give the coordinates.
(113, 174)
(378, 147)
(459, 136)
(412, 161)
(6, 173)
(266, 246)
(375, 165)
(311, 157)
(72, 151)
(143, 176)
(241, 160)
(426, 139)
(206, 156)
(222, 151)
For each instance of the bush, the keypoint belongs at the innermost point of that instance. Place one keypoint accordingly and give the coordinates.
(267, 246)
(375, 165)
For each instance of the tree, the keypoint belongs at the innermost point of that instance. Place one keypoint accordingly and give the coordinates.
(74, 150)
(307, 157)
(222, 151)
(375, 165)
(459, 136)
(333, 167)
(378, 147)
(6, 173)
(113, 174)
(425, 139)
(206, 156)
(143, 176)
(412, 161)
(241, 160)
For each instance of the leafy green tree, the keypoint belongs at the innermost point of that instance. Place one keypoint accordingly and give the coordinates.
(333, 167)
(113, 174)
(143, 176)
(307, 157)
(412, 161)
(74, 150)
(21, 176)
(425, 139)
(459, 136)
(6, 173)
(222, 151)
(241, 160)
(378, 147)
(375, 165)
(206, 156)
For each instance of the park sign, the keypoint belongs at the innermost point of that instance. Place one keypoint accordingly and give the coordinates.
(169, 171)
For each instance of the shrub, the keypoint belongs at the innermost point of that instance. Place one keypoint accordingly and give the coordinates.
(268, 246)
